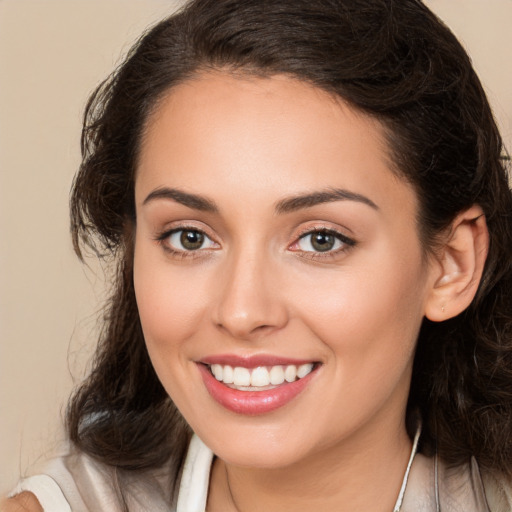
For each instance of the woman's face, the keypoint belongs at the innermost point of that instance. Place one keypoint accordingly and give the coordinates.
(273, 237)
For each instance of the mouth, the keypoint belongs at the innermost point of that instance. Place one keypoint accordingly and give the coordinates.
(260, 378)
(250, 387)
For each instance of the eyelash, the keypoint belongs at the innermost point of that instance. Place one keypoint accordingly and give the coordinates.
(346, 243)
(163, 238)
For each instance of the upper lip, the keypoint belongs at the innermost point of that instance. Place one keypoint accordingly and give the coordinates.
(253, 361)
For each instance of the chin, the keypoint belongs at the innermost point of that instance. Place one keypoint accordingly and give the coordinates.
(257, 447)
(257, 458)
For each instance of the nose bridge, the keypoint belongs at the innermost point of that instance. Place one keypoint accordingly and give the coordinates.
(250, 303)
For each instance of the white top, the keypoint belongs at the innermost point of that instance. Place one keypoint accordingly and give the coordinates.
(78, 483)
(192, 495)
(47, 491)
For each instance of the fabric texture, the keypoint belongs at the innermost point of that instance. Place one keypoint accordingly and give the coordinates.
(48, 492)
(78, 483)
(87, 485)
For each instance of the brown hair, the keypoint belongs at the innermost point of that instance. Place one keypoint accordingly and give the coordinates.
(392, 59)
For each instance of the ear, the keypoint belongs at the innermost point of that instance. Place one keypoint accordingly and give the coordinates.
(458, 266)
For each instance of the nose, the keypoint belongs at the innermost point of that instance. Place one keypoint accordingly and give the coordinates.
(251, 303)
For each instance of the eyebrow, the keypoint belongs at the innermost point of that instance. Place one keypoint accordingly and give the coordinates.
(287, 205)
(309, 200)
(193, 201)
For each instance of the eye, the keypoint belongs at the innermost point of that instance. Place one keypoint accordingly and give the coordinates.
(188, 240)
(323, 241)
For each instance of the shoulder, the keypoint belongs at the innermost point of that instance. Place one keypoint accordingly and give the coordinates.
(76, 481)
(24, 502)
(434, 484)
(37, 493)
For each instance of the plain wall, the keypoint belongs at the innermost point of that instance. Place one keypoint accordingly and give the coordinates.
(52, 54)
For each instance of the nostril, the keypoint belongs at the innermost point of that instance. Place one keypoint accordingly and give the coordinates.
(248, 305)
(242, 331)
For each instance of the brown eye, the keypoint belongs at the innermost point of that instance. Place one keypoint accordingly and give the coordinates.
(186, 240)
(191, 240)
(322, 242)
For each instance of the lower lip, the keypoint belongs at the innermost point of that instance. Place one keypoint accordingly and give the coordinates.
(252, 402)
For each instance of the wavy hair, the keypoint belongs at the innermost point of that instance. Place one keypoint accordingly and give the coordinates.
(392, 59)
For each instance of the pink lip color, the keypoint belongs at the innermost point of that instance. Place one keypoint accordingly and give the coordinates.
(252, 402)
(252, 361)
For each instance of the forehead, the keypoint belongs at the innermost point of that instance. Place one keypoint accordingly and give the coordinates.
(213, 101)
(273, 134)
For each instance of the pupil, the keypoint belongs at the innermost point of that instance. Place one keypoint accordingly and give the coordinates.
(191, 240)
(322, 242)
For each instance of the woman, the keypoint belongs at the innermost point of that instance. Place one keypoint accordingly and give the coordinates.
(309, 209)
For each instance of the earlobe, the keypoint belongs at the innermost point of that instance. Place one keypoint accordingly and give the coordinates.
(460, 266)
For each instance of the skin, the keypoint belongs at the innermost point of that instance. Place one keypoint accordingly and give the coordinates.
(23, 502)
(247, 144)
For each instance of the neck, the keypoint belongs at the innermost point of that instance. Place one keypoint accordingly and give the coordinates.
(361, 473)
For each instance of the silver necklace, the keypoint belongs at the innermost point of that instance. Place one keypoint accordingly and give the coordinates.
(398, 504)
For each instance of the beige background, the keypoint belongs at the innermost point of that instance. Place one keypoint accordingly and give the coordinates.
(52, 54)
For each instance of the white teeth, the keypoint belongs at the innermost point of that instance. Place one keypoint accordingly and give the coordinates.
(290, 374)
(276, 375)
(217, 371)
(304, 369)
(228, 375)
(260, 377)
(241, 376)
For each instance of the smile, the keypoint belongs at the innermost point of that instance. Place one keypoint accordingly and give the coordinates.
(257, 386)
(259, 378)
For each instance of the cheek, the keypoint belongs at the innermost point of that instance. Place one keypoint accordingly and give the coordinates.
(369, 326)
(171, 306)
(368, 317)
(171, 301)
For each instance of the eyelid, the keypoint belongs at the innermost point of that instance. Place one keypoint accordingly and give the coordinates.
(347, 242)
(162, 236)
(323, 227)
